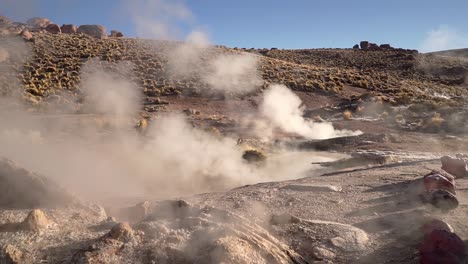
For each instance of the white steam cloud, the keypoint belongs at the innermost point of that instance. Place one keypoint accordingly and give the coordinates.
(283, 108)
(444, 38)
(158, 19)
(236, 73)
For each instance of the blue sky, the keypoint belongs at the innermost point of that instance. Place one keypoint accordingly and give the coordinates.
(420, 24)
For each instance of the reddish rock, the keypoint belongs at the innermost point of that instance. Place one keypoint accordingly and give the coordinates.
(116, 34)
(96, 31)
(435, 224)
(441, 246)
(457, 166)
(53, 28)
(69, 29)
(434, 182)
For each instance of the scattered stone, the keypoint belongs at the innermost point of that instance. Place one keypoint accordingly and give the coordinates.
(122, 232)
(38, 22)
(96, 31)
(68, 29)
(116, 34)
(35, 221)
(308, 187)
(53, 28)
(364, 45)
(457, 166)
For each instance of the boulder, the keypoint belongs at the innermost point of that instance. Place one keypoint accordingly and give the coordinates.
(38, 22)
(373, 46)
(116, 34)
(122, 232)
(68, 29)
(96, 31)
(364, 45)
(442, 246)
(26, 35)
(22, 189)
(11, 254)
(356, 46)
(433, 182)
(457, 166)
(35, 221)
(435, 224)
(53, 28)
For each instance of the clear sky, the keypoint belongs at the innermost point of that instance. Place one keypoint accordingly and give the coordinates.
(420, 24)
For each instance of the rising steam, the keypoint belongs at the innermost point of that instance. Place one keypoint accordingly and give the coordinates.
(283, 108)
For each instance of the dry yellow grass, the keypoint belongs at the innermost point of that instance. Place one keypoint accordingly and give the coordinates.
(347, 115)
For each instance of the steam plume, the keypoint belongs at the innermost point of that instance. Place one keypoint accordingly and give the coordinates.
(282, 108)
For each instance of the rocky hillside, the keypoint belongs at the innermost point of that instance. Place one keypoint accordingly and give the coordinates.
(58, 54)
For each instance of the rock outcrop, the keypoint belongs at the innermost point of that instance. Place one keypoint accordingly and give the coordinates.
(53, 28)
(96, 31)
(22, 189)
(69, 29)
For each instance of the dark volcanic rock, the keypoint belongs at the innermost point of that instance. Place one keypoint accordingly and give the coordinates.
(96, 31)
(364, 45)
(22, 189)
(385, 46)
(356, 46)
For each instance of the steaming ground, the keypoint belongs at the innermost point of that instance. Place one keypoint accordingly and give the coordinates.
(140, 160)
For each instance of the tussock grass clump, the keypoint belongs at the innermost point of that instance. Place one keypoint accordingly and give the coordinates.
(347, 115)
